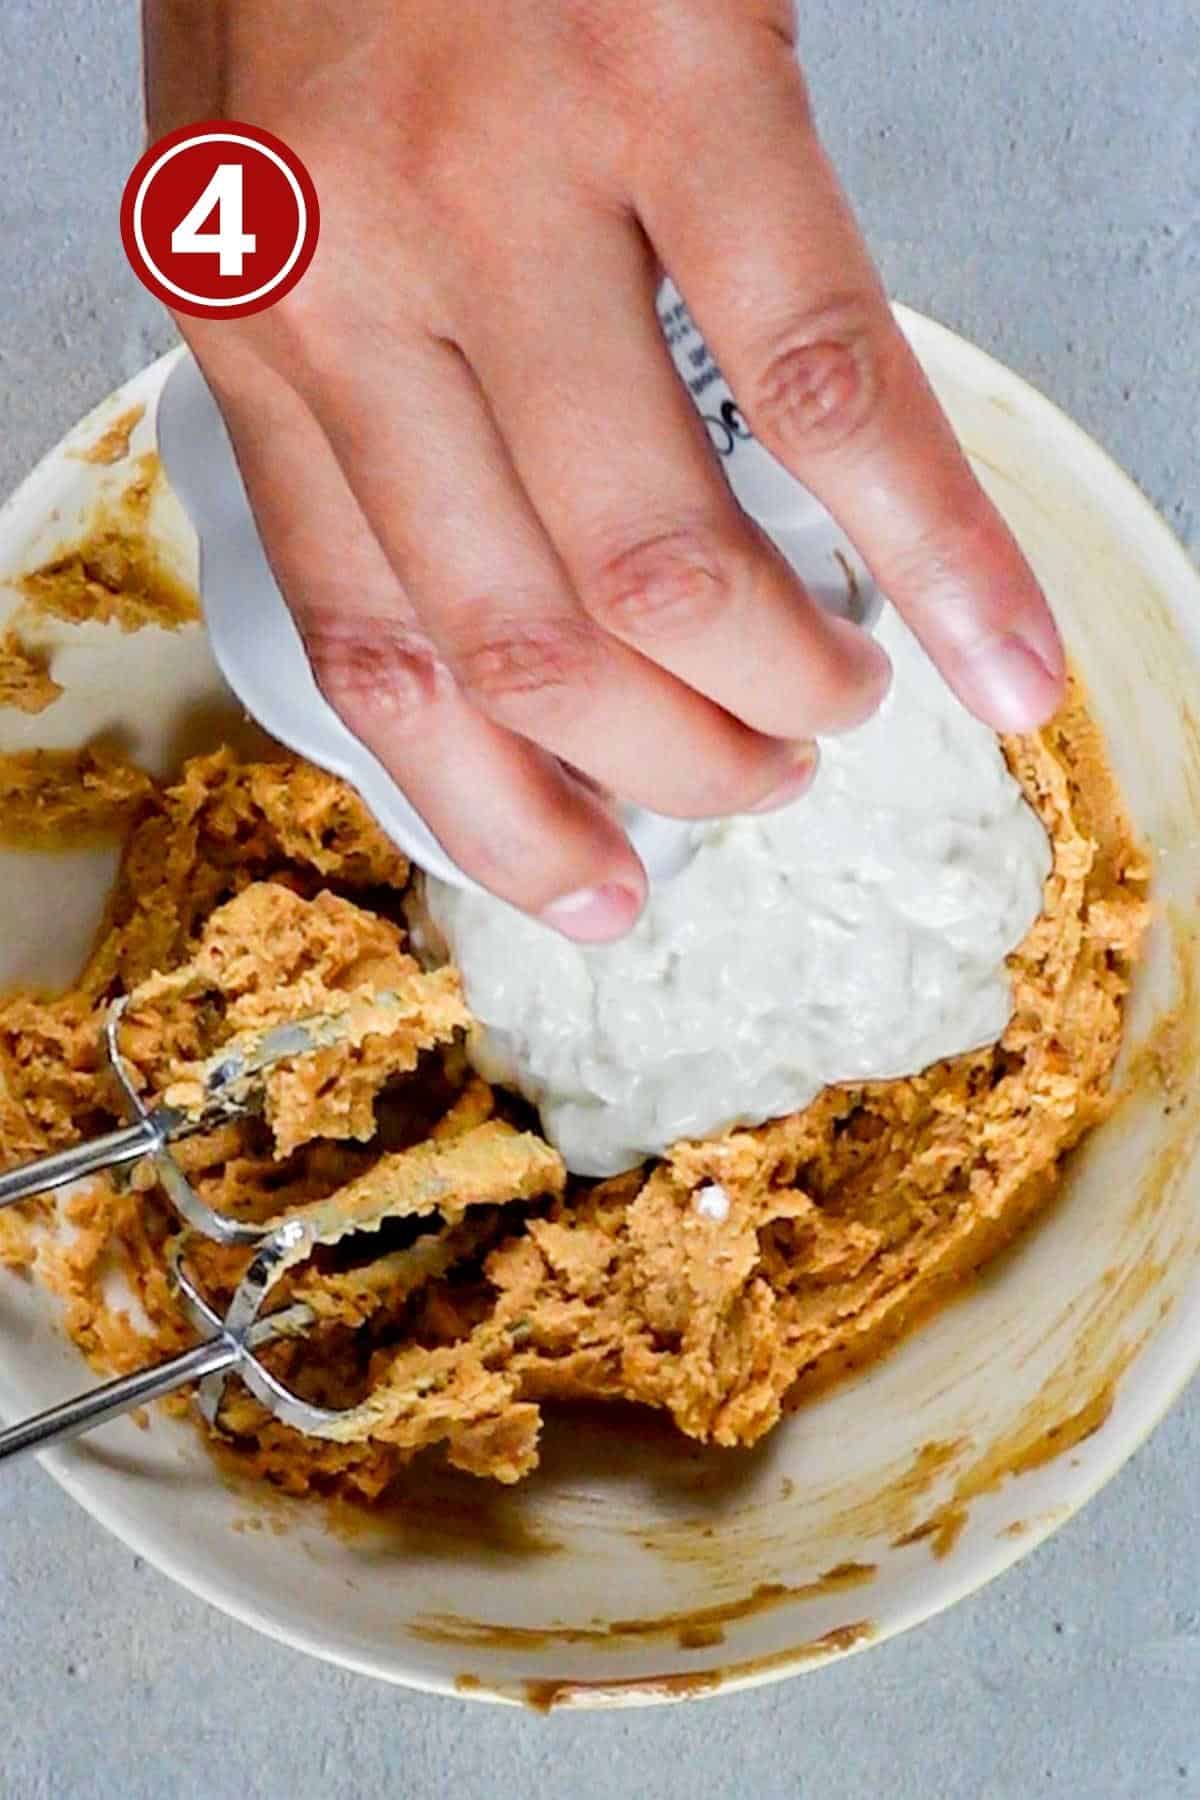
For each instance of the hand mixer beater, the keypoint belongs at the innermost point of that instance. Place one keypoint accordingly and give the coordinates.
(436, 1182)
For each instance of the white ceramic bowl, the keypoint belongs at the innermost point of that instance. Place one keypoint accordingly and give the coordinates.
(636, 1566)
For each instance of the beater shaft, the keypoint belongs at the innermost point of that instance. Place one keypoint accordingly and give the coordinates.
(216, 1356)
(111, 1151)
(60, 1423)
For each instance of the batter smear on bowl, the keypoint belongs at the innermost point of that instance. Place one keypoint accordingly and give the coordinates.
(115, 575)
(716, 1283)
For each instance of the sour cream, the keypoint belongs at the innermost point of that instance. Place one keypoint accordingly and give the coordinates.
(860, 933)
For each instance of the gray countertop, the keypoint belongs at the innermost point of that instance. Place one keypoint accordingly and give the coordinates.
(1030, 175)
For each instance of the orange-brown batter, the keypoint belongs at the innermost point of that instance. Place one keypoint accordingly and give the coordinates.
(271, 891)
(115, 575)
(112, 446)
(49, 798)
(25, 680)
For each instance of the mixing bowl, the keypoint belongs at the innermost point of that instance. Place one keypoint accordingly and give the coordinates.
(635, 1565)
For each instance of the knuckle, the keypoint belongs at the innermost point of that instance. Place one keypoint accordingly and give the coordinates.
(303, 344)
(303, 312)
(965, 532)
(621, 52)
(421, 142)
(672, 585)
(516, 667)
(717, 789)
(282, 350)
(598, 35)
(375, 669)
(717, 793)
(822, 381)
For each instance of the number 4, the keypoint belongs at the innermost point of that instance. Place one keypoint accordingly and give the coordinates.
(224, 195)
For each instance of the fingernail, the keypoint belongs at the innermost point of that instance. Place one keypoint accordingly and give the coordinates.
(1014, 689)
(794, 785)
(594, 915)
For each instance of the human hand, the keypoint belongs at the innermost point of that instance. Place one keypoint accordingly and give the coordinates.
(485, 493)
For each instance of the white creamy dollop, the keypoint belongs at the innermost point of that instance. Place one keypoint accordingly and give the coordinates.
(860, 933)
(711, 1202)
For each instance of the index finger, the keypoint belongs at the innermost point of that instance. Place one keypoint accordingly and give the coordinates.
(758, 236)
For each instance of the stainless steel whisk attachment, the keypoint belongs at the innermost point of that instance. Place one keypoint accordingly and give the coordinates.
(232, 1088)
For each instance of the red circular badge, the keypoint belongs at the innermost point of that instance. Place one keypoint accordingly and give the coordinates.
(220, 219)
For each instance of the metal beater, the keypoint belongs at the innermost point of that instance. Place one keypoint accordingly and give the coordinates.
(232, 1089)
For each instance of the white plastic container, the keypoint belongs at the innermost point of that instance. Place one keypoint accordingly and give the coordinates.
(635, 1565)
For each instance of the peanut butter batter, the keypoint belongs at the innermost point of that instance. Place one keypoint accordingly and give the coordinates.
(115, 575)
(49, 798)
(112, 446)
(719, 1284)
(25, 680)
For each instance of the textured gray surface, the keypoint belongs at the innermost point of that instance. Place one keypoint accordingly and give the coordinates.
(1030, 175)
